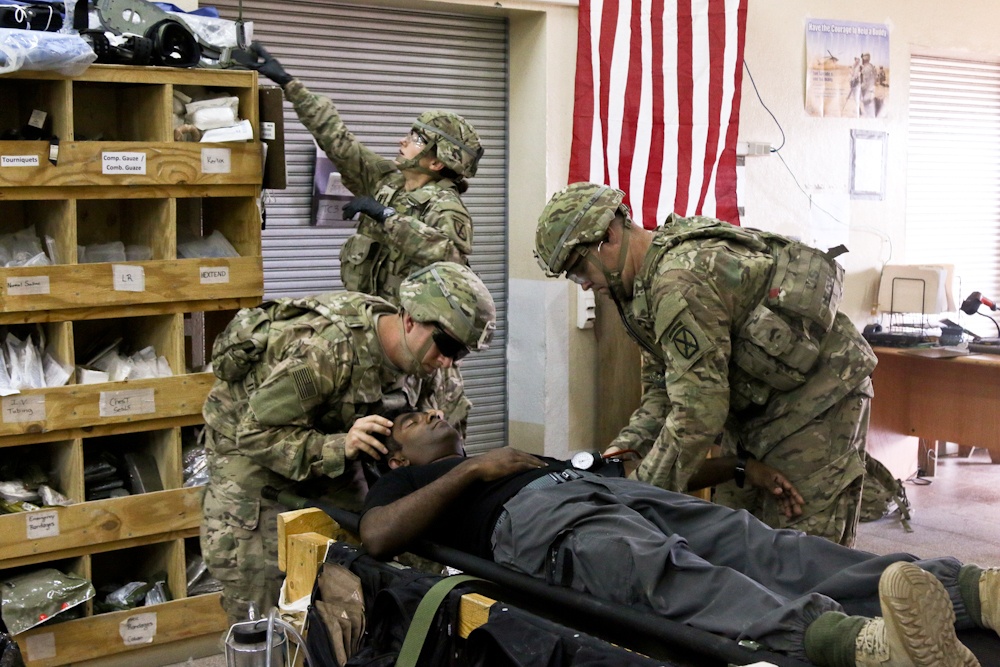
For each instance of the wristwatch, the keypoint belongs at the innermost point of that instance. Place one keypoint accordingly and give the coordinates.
(740, 474)
(388, 212)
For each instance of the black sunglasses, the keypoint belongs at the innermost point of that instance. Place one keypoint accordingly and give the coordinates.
(448, 346)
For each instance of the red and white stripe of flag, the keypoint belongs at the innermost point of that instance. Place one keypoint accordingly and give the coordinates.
(657, 104)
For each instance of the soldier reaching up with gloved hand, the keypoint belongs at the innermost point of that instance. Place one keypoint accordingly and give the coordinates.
(411, 206)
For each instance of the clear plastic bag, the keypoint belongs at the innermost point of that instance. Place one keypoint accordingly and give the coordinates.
(70, 55)
(214, 245)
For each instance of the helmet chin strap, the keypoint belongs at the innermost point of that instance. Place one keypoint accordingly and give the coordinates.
(413, 163)
(417, 367)
(614, 278)
(616, 287)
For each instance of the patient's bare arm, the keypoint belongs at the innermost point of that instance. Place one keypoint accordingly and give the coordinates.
(388, 530)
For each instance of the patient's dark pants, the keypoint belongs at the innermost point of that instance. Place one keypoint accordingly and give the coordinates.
(711, 567)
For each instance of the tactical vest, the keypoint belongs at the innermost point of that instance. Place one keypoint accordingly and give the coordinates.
(777, 345)
(370, 261)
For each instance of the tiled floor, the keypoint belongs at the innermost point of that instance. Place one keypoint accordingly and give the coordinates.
(956, 514)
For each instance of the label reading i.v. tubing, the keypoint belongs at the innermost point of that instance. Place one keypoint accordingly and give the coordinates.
(19, 408)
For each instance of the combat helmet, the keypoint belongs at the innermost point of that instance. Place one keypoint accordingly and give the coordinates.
(577, 215)
(453, 297)
(457, 142)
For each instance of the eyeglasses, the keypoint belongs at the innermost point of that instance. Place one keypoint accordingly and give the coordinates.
(577, 271)
(417, 139)
(448, 346)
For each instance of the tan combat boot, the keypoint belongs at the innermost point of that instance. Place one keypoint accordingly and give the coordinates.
(917, 628)
(989, 598)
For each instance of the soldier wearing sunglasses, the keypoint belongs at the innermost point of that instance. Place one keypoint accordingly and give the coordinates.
(301, 387)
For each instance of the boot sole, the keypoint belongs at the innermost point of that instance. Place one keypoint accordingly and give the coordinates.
(918, 607)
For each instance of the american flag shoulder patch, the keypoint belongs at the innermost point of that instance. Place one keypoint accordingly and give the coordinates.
(305, 383)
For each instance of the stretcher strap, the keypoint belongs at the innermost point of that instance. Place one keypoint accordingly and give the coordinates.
(413, 643)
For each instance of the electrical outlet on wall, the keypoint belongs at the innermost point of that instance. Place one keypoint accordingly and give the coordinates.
(585, 307)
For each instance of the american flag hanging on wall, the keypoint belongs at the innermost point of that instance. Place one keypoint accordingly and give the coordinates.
(658, 103)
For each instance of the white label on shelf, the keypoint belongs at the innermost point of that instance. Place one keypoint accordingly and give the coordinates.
(128, 278)
(42, 524)
(267, 131)
(216, 160)
(40, 647)
(211, 275)
(127, 402)
(138, 629)
(24, 285)
(123, 162)
(19, 161)
(19, 408)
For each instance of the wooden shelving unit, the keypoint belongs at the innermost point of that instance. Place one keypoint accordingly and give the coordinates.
(120, 176)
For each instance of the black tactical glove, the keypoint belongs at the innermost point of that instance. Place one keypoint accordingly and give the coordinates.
(369, 206)
(258, 58)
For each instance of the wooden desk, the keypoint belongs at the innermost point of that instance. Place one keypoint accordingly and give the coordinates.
(950, 400)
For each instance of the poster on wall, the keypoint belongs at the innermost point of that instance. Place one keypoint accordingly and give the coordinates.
(329, 194)
(847, 69)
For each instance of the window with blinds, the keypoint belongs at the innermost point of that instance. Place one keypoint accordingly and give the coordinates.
(953, 173)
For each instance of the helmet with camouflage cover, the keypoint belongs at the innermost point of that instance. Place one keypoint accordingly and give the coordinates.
(577, 215)
(453, 297)
(456, 141)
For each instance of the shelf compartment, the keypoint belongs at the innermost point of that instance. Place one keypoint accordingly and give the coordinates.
(23, 97)
(51, 218)
(158, 447)
(74, 286)
(120, 111)
(81, 406)
(62, 461)
(148, 223)
(236, 218)
(99, 636)
(97, 526)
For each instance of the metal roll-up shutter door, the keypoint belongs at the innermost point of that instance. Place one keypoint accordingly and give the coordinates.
(383, 67)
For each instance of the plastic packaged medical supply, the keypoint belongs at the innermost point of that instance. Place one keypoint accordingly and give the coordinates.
(30, 599)
(69, 55)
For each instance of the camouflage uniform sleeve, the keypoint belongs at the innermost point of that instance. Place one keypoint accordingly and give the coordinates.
(361, 169)
(443, 234)
(646, 422)
(278, 429)
(692, 327)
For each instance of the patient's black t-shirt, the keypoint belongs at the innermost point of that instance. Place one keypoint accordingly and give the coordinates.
(467, 524)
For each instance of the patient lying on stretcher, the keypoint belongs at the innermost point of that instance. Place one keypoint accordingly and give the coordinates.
(711, 567)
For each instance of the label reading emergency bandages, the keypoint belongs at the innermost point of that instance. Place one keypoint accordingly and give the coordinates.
(127, 402)
(216, 160)
(138, 629)
(42, 524)
(27, 285)
(128, 278)
(18, 408)
(123, 162)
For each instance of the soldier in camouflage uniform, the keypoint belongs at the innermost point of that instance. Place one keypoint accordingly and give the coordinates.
(412, 211)
(742, 345)
(301, 383)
